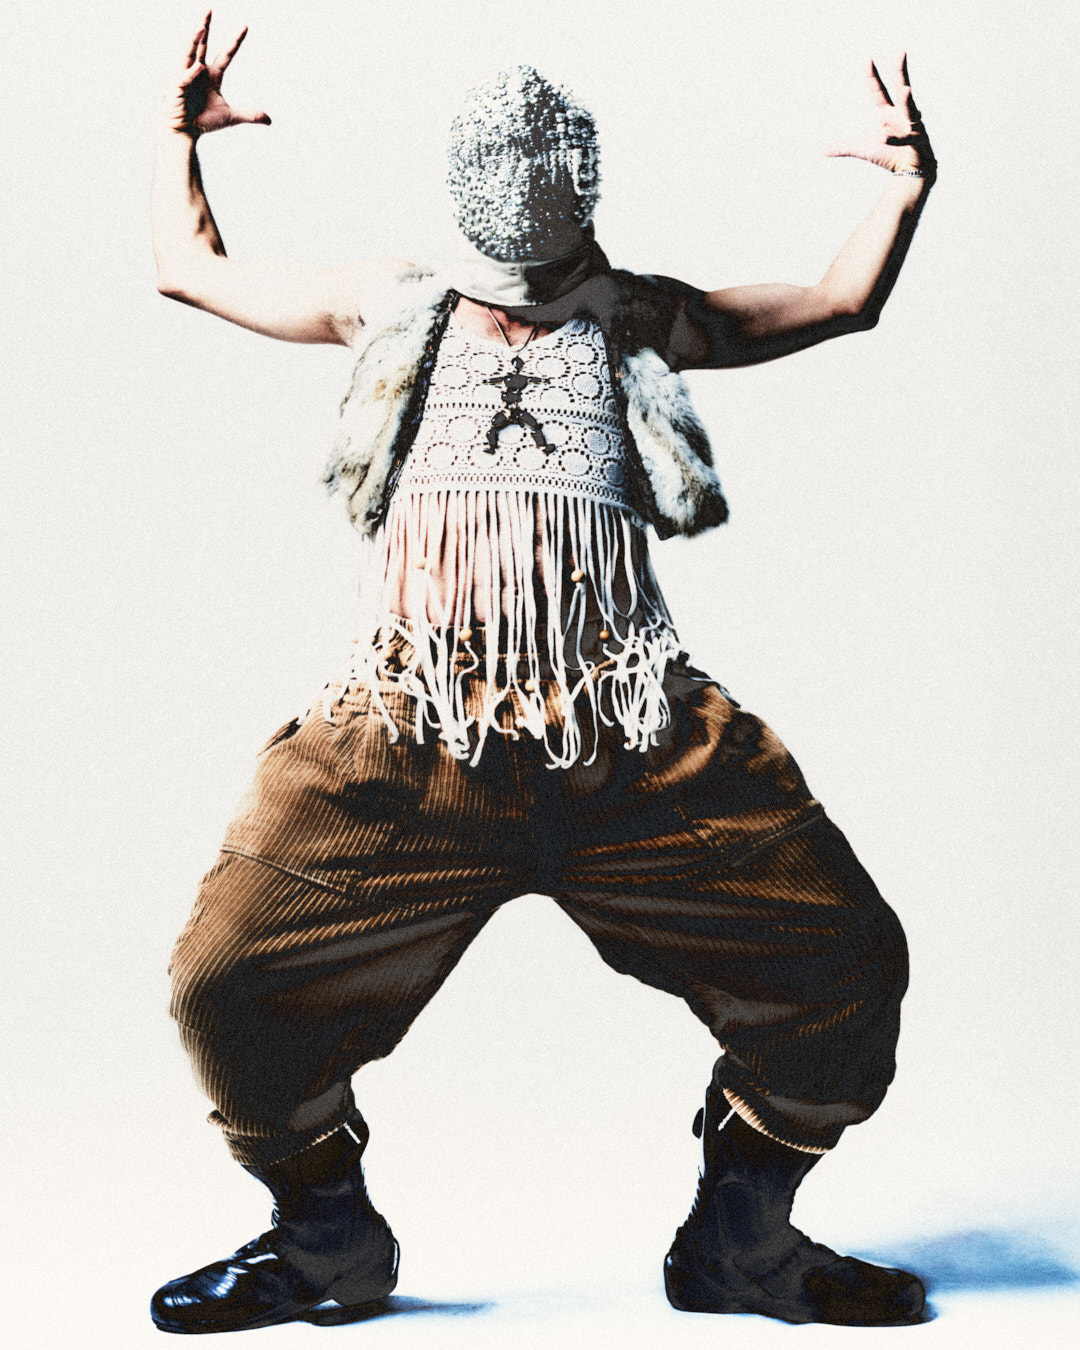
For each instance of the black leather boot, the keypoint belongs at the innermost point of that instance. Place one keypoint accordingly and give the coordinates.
(327, 1242)
(738, 1252)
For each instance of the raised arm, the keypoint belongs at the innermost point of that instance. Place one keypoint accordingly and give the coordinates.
(744, 325)
(284, 300)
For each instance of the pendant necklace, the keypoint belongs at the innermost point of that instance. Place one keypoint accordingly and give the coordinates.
(514, 385)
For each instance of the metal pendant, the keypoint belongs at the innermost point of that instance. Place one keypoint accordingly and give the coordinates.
(512, 413)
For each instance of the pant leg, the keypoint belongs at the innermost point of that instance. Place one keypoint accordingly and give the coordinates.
(352, 878)
(707, 869)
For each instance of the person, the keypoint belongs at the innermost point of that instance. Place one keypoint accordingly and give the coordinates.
(518, 715)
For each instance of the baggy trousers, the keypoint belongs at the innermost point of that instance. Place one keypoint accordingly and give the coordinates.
(358, 869)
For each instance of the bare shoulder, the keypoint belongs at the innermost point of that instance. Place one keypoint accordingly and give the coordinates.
(360, 287)
(672, 318)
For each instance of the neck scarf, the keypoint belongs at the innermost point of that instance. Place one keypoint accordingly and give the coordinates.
(549, 292)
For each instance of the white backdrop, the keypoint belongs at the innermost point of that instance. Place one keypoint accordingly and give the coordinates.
(894, 595)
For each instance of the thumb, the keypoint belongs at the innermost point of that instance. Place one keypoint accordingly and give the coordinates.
(263, 119)
(845, 150)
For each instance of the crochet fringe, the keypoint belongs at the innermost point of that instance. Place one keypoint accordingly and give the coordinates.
(505, 536)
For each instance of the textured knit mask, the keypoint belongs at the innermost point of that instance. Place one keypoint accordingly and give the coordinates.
(523, 168)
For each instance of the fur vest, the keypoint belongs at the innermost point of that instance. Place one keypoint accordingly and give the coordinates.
(674, 484)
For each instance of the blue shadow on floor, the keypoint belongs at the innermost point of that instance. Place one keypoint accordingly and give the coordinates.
(979, 1258)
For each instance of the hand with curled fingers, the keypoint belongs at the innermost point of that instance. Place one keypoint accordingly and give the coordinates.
(901, 144)
(195, 105)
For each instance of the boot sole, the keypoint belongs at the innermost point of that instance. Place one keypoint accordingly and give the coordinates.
(304, 1312)
(254, 1324)
(342, 1316)
(354, 1299)
(693, 1291)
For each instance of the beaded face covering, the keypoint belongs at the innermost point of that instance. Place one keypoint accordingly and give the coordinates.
(523, 167)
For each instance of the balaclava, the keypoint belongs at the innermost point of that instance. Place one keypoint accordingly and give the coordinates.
(523, 168)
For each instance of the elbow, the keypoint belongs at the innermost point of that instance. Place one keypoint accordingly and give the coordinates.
(177, 275)
(183, 277)
(166, 285)
(852, 315)
(845, 310)
(172, 290)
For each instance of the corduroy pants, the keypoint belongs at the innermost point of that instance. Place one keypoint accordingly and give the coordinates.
(358, 869)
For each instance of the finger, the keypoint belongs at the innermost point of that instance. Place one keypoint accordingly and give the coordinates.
(203, 38)
(191, 74)
(870, 154)
(222, 61)
(881, 94)
(200, 35)
(907, 98)
(263, 119)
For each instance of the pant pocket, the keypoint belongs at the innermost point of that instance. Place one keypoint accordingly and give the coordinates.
(734, 840)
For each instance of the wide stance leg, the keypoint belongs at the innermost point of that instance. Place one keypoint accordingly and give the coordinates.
(283, 989)
(352, 879)
(716, 876)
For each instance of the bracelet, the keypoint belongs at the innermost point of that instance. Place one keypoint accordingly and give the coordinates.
(909, 173)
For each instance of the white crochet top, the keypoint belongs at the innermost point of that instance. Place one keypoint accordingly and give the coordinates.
(569, 395)
(512, 518)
